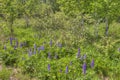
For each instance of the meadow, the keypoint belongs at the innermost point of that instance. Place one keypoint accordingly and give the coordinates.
(56, 46)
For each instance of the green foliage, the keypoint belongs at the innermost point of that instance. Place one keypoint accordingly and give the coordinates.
(69, 25)
(4, 74)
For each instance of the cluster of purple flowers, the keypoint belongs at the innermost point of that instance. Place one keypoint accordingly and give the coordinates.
(38, 49)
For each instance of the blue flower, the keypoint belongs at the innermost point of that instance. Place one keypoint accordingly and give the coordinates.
(48, 67)
(84, 66)
(51, 43)
(11, 40)
(92, 63)
(66, 71)
(42, 48)
(78, 54)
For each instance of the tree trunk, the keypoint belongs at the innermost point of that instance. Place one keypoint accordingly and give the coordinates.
(107, 26)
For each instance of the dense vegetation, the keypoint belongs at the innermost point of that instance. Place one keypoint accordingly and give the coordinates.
(60, 39)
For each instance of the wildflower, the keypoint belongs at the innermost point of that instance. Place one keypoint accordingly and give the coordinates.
(66, 71)
(92, 63)
(78, 54)
(11, 40)
(42, 48)
(48, 67)
(51, 43)
(84, 68)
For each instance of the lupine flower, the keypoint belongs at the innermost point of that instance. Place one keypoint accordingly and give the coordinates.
(92, 63)
(84, 68)
(48, 67)
(66, 71)
(42, 48)
(11, 40)
(49, 55)
(84, 56)
(78, 54)
(51, 43)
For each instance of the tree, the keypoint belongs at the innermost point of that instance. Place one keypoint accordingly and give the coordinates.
(9, 11)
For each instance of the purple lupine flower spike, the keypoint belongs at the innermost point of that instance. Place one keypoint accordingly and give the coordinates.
(42, 48)
(51, 43)
(11, 40)
(78, 54)
(66, 71)
(48, 67)
(84, 68)
(92, 63)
